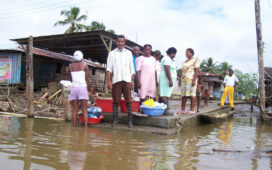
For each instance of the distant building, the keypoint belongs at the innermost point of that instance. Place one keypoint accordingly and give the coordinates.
(213, 84)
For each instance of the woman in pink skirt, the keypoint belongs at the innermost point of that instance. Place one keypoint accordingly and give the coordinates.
(80, 86)
(146, 71)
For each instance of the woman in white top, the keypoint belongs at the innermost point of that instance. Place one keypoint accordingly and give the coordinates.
(80, 86)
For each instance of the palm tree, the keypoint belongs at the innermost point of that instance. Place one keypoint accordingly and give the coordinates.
(73, 19)
(208, 66)
(224, 68)
(95, 26)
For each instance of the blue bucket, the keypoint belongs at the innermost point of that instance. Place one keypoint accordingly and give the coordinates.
(152, 111)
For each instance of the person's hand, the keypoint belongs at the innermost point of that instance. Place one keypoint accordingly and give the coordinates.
(109, 85)
(139, 85)
(193, 82)
(132, 85)
(171, 83)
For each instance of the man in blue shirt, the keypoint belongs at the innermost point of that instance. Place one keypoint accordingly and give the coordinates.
(136, 53)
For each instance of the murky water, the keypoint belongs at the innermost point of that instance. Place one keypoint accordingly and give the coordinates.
(46, 144)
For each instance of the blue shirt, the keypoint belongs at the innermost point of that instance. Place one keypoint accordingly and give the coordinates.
(134, 63)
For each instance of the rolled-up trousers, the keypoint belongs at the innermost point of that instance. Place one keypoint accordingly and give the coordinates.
(120, 88)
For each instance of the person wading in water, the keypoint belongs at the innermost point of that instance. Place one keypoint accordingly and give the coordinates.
(80, 86)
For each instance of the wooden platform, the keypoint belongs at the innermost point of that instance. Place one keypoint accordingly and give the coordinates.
(171, 120)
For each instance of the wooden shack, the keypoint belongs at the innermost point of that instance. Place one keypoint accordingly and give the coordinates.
(49, 68)
(95, 46)
(268, 85)
(213, 84)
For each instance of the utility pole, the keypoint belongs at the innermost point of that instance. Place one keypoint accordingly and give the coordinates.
(260, 57)
(29, 78)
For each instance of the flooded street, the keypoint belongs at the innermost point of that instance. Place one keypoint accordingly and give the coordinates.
(240, 143)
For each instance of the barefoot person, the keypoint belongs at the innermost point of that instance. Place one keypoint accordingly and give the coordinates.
(120, 77)
(230, 82)
(199, 91)
(168, 75)
(188, 82)
(146, 74)
(80, 86)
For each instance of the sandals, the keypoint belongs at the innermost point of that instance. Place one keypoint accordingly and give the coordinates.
(190, 112)
(181, 112)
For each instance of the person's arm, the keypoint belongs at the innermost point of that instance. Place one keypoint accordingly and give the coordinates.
(156, 78)
(225, 81)
(168, 74)
(132, 82)
(139, 79)
(109, 71)
(132, 71)
(138, 66)
(109, 83)
(195, 77)
(87, 79)
(236, 82)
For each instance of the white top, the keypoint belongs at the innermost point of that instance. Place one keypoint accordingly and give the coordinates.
(158, 70)
(120, 64)
(230, 81)
(78, 78)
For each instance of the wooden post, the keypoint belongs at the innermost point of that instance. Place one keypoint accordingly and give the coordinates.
(108, 47)
(29, 78)
(260, 57)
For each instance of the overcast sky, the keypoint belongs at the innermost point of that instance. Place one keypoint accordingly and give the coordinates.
(222, 29)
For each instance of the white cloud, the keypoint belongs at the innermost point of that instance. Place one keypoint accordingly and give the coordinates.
(224, 30)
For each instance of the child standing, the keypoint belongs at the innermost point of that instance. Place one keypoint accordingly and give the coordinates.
(200, 87)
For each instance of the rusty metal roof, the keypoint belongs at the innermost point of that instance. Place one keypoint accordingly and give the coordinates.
(50, 54)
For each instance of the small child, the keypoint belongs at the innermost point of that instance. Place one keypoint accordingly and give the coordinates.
(200, 87)
(93, 96)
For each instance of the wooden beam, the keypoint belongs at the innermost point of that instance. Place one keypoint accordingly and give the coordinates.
(104, 42)
(29, 78)
(78, 46)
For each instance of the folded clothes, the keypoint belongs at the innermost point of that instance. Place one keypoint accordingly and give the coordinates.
(94, 112)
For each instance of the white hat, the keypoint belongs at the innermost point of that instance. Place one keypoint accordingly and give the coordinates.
(78, 55)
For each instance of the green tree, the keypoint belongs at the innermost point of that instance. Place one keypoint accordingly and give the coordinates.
(248, 83)
(223, 68)
(208, 66)
(72, 18)
(95, 26)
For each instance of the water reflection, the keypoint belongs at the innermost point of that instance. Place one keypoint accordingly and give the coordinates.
(46, 144)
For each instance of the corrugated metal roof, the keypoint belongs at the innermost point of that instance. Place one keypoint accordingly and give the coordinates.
(209, 74)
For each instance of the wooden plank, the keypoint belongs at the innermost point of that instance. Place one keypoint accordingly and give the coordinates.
(104, 42)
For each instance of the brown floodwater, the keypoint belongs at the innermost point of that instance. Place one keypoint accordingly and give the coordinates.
(241, 143)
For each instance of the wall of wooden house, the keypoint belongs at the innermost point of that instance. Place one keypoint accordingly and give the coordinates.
(97, 77)
(15, 67)
(45, 70)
